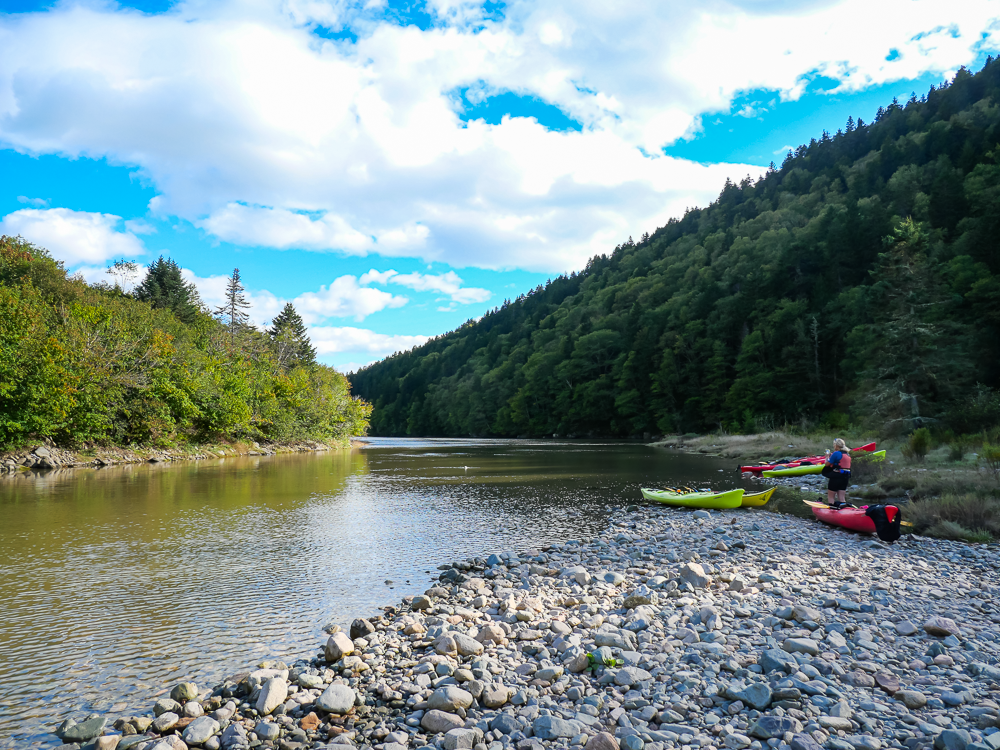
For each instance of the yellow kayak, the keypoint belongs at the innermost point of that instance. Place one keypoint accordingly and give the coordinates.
(757, 499)
(715, 500)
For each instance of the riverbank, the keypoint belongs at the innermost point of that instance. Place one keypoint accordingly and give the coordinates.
(47, 457)
(760, 446)
(718, 630)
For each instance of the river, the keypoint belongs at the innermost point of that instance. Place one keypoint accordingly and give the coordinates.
(119, 582)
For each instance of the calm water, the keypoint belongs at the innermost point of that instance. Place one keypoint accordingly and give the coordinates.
(116, 583)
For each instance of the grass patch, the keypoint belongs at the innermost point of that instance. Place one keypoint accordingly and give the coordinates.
(968, 517)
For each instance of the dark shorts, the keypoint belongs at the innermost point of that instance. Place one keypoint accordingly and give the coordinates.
(839, 482)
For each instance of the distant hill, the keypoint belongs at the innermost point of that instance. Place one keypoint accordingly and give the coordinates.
(859, 281)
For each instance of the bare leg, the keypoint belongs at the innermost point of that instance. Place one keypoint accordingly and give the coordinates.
(830, 497)
(842, 496)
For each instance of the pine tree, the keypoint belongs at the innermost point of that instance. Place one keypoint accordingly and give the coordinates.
(164, 287)
(917, 355)
(233, 311)
(291, 340)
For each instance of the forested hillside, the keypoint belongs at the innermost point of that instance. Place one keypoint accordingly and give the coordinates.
(89, 364)
(859, 281)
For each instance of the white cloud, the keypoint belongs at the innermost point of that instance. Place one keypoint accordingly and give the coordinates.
(264, 134)
(376, 277)
(36, 202)
(337, 340)
(73, 237)
(449, 283)
(343, 298)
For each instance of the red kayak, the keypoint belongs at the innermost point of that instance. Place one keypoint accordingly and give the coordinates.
(855, 519)
(806, 461)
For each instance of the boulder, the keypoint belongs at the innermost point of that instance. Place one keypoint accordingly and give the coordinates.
(338, 646)
(337, 699)
(449, 698)
(912, 699)
(552, 727)
(361, 628)
(694, 574)
(199, 731)
(272, 694)
(767, 727)
(941, 627)
(602, 741)
(436, 721)
(467, 646)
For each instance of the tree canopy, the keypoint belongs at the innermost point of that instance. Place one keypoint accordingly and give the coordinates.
(84, 364)
(782, 301)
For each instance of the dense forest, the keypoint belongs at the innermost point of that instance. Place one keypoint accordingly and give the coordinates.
(857, 283)
(84, 364)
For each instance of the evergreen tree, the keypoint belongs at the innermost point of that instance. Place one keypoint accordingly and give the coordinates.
(233, 311)
(914, 352)
(291, 341)
(164, 287)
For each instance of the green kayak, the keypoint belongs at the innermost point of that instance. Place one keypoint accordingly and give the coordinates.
(717, 500)
(798, 471)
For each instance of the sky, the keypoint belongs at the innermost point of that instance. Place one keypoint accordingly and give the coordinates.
(394, 169)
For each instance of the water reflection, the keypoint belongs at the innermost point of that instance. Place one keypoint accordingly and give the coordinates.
(118, 581)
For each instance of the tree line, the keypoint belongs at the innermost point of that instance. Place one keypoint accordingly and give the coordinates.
(93, 364)
(857, 282)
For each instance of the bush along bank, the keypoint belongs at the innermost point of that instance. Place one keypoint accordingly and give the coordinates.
(46, 458)
(670, 630)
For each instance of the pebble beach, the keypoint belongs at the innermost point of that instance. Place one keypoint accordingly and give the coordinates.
(672, 630)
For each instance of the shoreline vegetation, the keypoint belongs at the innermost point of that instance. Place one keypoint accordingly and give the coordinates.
(48, 457)
(92, 368)
(671, 630)
(949, 490)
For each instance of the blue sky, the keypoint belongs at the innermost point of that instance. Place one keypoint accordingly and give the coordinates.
(398, 169)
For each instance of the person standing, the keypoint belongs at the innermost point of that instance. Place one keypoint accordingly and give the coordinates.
(838, 469)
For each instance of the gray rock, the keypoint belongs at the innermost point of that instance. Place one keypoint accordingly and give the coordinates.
(467, 646)
(185, 691)
(337, 699)
(505, 724)
(272, 694)
(267, 730)
(631, 676)
(436, 721)
(905, 627)
(338, 646)
(912, 699)
(602, 741)
(85, 730)
(450, 698)
(234, 736)
(549, 674)
(165, 722)
(952, 739)
(804, 742)
(694, 574)
(552, 727)
(361, 628)
(163, 705)
(461, 739)
(756, 694)
(767, 727)
(495, 695)
(801, 646)
(632, 742)
(200, 730)
(773, 659)
(941, 626)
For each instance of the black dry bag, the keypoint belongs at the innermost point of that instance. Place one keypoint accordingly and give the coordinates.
(886, 519)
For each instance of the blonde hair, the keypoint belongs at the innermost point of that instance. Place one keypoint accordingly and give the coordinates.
(840, 445)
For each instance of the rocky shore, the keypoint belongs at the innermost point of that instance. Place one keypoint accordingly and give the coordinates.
(672, 630)
(48, 457)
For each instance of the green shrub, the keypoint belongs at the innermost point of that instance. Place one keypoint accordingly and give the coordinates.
(957, 532)
(918, 445)
(989, 457)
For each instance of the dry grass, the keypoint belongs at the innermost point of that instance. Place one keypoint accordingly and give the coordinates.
(968, 517)
(758, 447)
